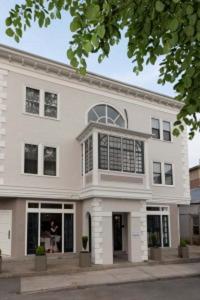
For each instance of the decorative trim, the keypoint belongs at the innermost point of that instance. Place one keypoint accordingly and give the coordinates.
(109, 129)
(3, 107)
(60, 70)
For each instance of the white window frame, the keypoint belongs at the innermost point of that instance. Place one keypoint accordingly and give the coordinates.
(161, 213)
(41, 102)
(161, 129)
(40, 160)
(163, 174)
(63, 211)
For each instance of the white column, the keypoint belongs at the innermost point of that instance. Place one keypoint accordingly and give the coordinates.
(137, 237)
(97, 231)
(95, 158)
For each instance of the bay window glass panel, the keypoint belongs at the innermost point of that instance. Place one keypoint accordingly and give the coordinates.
(32, 101)
(50, 161)
(88, 154)
(115, 153)
(139, 157)
(156, 128)
(168, 174)
(157, 176)
(30, 159)
(50, 105)
(128, 155)
(103, 151)
(166, 131)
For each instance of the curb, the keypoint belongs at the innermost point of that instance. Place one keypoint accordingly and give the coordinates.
(76, 287)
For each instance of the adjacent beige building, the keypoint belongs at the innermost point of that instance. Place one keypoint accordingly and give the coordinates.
(86, 156)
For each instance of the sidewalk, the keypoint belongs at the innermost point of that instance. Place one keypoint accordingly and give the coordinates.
(109, 276)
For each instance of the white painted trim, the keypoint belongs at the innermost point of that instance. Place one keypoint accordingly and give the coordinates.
(61, 211)
(163, 174)
(40, 159)
(88, 88)
(106, 104)
(41, 101)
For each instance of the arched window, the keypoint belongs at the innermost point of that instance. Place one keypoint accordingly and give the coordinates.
(106, 114)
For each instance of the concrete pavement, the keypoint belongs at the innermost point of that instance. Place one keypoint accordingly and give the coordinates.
(108, 277)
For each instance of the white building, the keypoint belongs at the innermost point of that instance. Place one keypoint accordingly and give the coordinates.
(92, 154)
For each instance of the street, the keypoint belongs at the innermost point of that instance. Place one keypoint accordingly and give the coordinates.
(179, 289)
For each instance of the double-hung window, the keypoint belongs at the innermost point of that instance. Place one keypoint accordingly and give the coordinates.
(41, 103)
(168, 174)
(157, 173)
(156, 128)
(166, 131)
(32, 164)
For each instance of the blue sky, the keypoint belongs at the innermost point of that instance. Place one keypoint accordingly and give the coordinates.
(53, 42)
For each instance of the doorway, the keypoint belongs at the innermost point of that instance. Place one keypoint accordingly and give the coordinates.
(5, 231)
(120, 237)
(117, 232)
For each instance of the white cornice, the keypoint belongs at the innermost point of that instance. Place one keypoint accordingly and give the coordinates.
(111, 129)
(60, 70)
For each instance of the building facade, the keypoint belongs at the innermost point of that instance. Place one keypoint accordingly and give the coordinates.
(190, 214)
(91, 154)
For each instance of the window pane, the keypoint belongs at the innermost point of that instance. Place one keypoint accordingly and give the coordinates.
(88, 154)
(50, 161)
(100, 110)
(103, 151)
(112, 113)
(50, 105)
(32, 100)
(31, 159)
(139, 157)
(166, 131)
(157, 177)
(115, 153)
(168, 174)
(128, 155)
(153, 229)
(32, 232)
(92, 116)
(156, 128)
(33, 205)
(51, 205)
(120, 122)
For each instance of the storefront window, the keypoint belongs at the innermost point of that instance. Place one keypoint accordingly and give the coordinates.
(50, 225)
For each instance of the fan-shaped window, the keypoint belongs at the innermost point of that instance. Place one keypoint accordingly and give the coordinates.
(106, 114)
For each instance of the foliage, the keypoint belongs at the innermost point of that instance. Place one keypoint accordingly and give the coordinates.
(40, 251)
(183, 243)
(154, 240)
(153, 28)
(84, 242)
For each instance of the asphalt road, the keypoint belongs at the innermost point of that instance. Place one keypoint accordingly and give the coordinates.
(178, 289)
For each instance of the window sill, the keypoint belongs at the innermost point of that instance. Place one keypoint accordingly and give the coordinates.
(39, 175)
(121, 173)
(42, 117)
(170, 142)
(163, 185)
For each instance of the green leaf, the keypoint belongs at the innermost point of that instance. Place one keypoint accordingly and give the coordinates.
(189, 30)
(189, 10)
(159, 6)
(74, 62)
(101, 31)
(10, 32)
(87, 46)
(70, 54)
(75, 24)
(92, 11)
(173, 24)
(8, 21)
